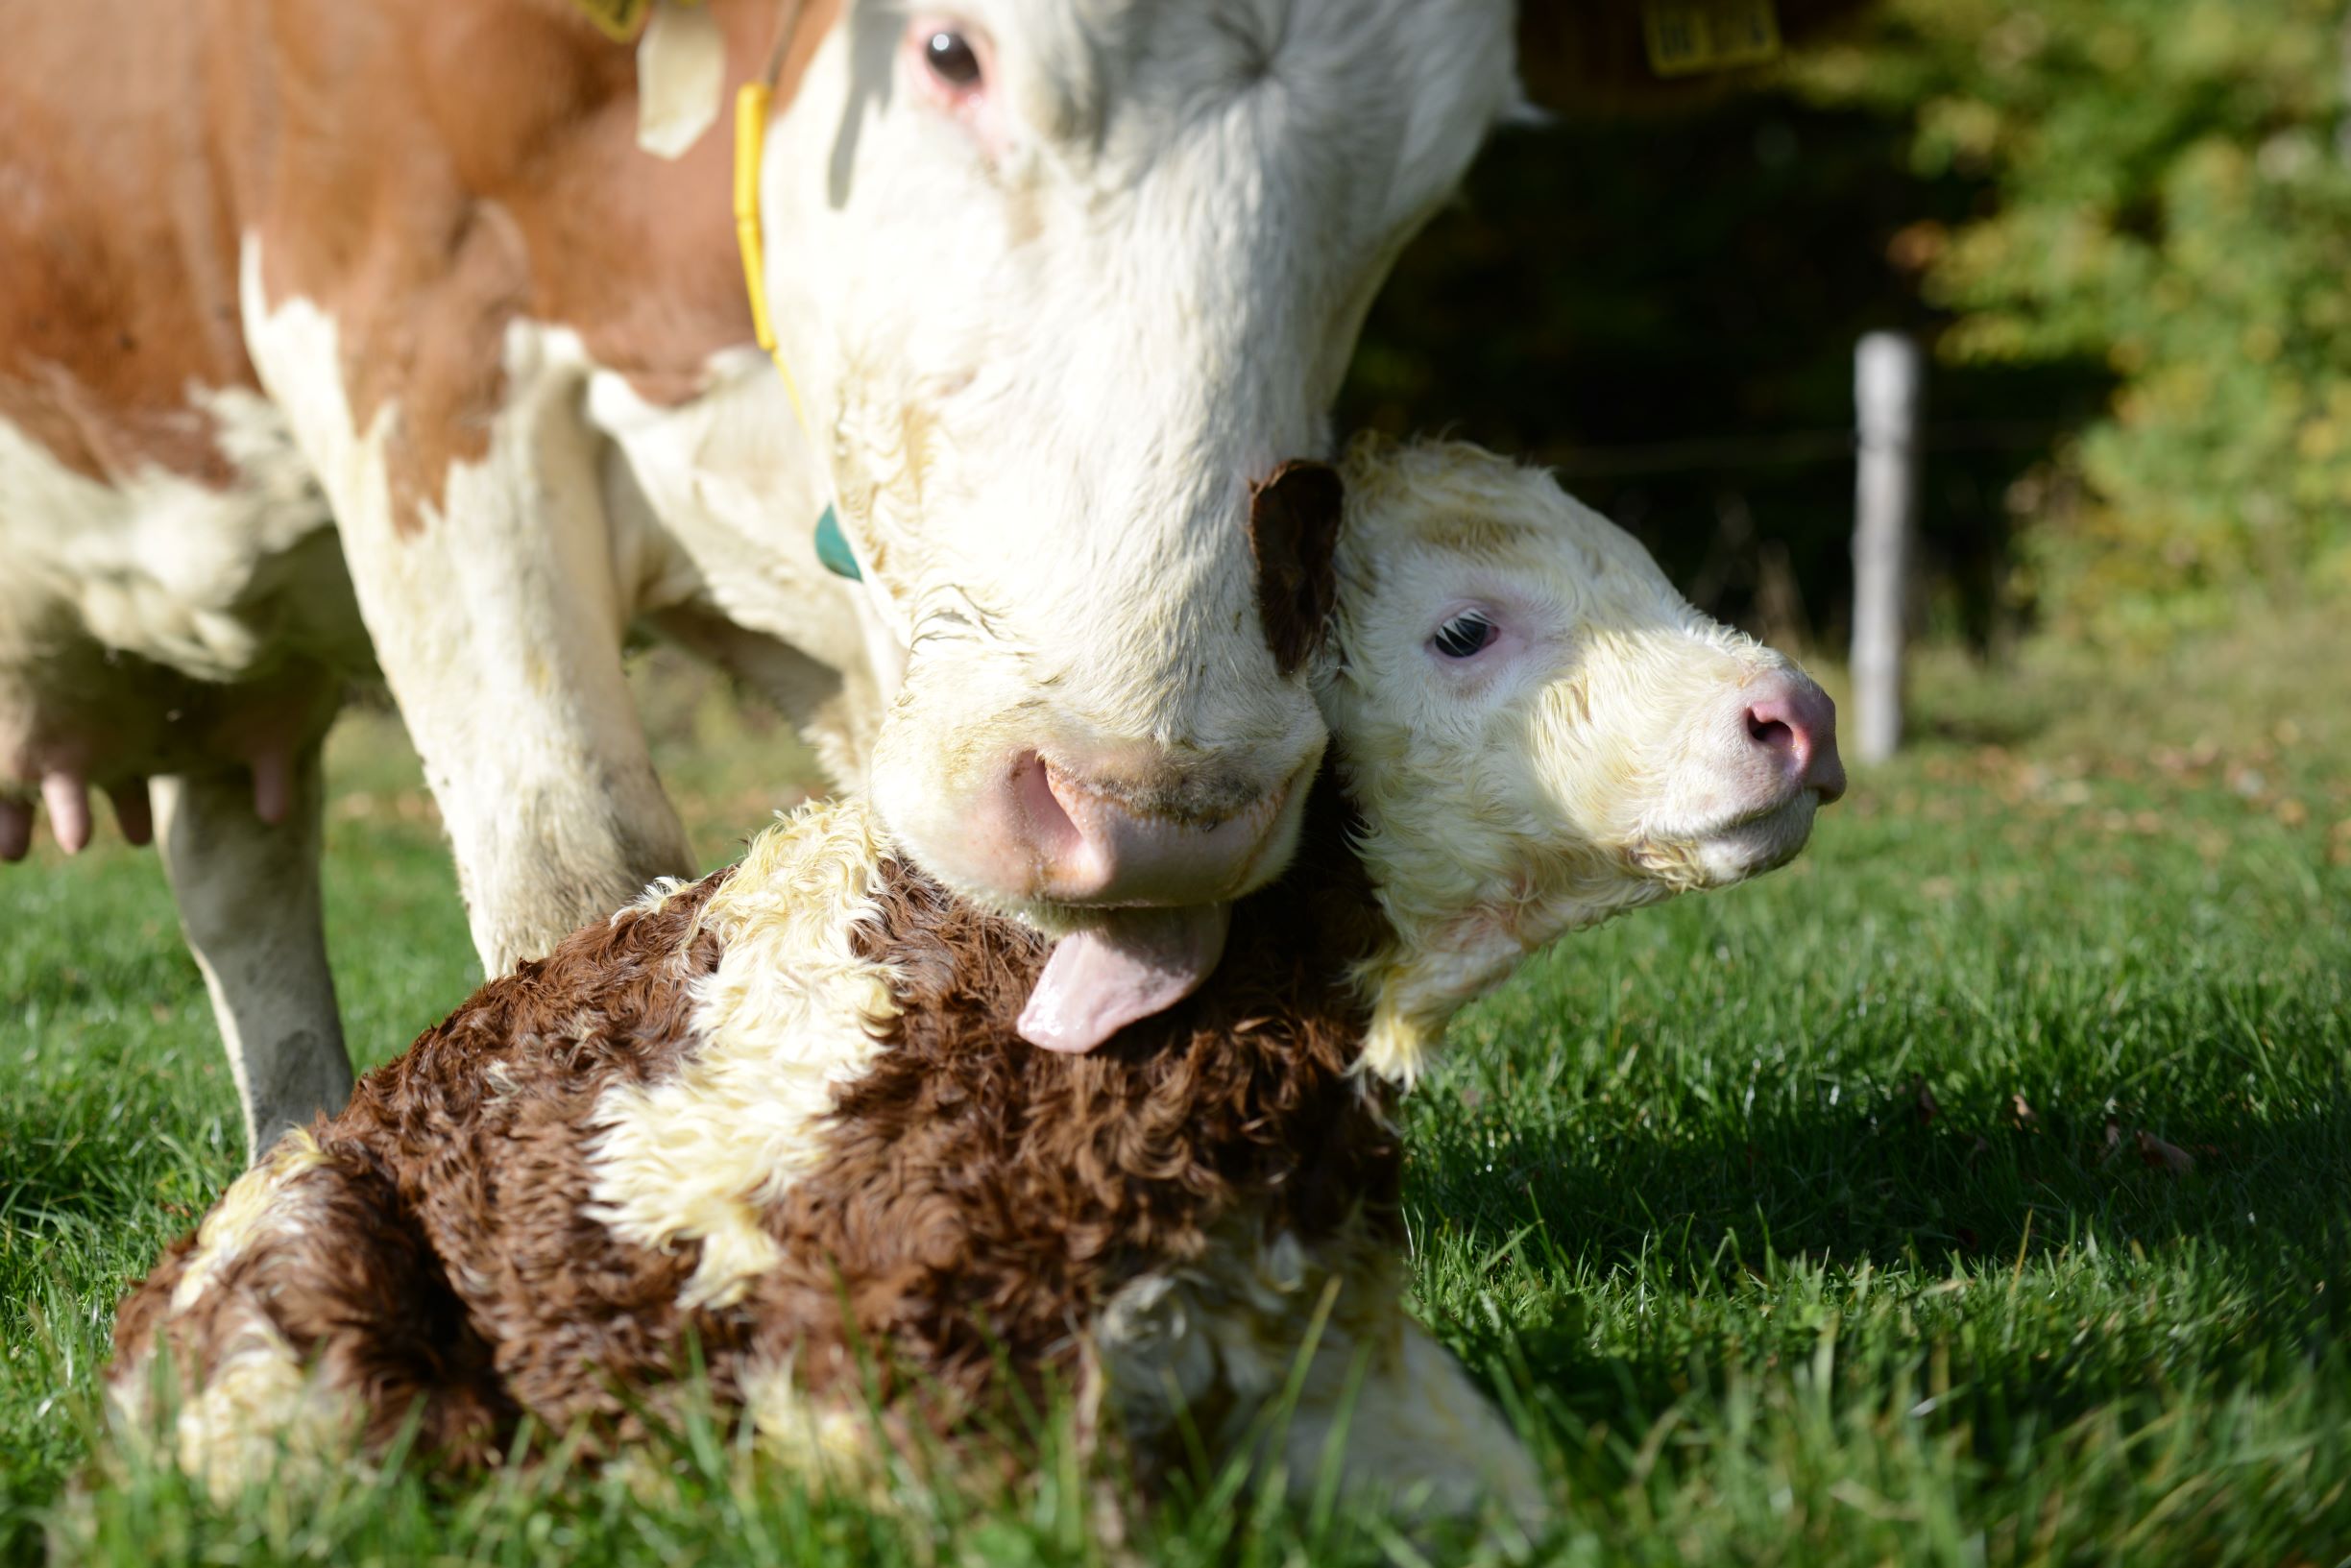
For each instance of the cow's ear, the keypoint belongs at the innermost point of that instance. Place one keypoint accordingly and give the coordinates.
(1293, 538)
(1582, 57)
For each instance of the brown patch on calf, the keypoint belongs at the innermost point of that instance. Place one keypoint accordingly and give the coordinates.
(474, 1142)
(1293, 531)
(485, 1126)
(979, 1199)
(357, 1295)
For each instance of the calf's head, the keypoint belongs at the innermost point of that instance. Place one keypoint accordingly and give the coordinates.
(1062, 281)
(1539, 730)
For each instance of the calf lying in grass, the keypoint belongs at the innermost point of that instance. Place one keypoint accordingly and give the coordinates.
(785, 1113)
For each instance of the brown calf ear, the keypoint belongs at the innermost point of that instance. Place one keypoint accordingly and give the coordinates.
(1585, 58)
(1293, 531)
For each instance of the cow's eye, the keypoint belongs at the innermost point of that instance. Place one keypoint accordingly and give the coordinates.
(1465, 635)
(952, 60)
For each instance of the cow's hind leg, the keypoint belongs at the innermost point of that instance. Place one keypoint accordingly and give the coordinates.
(306, 1320)
(249, 901)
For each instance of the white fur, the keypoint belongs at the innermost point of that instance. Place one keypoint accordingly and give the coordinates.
(787, 1016)
(260, 1412)
(1041, 418)
(157, 565)
(131, 609)
(255, 1205)
(839, 1443)
(498, 620)
(712, 505)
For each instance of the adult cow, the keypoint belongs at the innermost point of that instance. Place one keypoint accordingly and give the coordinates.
(1060, 281)
(338, 334)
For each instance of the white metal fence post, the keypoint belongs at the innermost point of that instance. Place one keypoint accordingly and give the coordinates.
(1888, 380)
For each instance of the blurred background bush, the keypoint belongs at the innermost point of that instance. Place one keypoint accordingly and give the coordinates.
(2122, 227)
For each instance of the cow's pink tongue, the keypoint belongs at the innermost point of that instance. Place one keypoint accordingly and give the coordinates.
(1136, 963)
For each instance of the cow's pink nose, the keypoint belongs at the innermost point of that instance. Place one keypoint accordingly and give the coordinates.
(1792, 719)
(1083, 844)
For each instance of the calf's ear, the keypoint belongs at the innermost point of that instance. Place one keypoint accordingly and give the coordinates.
(1294, 532)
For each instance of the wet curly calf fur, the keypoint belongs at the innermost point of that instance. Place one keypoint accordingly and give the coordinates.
(969, 1203)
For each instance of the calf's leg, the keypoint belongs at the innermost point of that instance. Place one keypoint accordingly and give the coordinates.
(306, 1318)
(249, 900)
(1419, 1432)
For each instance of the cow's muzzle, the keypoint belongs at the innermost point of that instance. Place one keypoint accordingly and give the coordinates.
(1111, 837)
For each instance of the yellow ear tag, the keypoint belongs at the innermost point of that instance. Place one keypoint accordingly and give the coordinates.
(751, 105)
(618, 19)
(1687, 37)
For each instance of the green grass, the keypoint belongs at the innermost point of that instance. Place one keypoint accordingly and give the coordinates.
(1809, 1223)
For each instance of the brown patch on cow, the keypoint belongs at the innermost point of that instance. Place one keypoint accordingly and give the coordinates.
(519, 193)
(426, 174)
(1293, 531)
(117, 239)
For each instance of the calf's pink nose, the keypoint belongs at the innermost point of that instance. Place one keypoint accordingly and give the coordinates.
(1793, 719)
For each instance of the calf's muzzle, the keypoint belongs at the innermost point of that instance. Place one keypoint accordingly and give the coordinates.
(1790, 726)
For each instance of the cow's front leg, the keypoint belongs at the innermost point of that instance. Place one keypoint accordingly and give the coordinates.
(498, 622)
(248, 893)
(466, 489)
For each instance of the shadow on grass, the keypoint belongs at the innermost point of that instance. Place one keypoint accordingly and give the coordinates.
(103, 1161)
(2032, 1273)
(1906, 1182)
(2231, 1267)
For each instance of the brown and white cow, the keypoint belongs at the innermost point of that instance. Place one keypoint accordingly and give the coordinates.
(339, 334)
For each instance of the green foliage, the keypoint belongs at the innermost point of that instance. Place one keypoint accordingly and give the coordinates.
(2166, 198)
(1733, 1201)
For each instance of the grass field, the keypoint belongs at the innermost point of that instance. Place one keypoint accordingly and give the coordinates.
(1976, 1191)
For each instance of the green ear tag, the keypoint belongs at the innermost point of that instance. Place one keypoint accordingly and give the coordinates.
(832, 548)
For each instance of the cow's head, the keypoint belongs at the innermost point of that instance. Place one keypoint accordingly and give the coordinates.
(1061, 281)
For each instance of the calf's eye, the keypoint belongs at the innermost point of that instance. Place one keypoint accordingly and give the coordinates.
(952, 58)
(1465, 635)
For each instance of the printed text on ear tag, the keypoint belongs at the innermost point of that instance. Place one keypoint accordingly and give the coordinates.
(1688, 36)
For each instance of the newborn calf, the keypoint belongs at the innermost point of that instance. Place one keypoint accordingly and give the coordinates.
(787, 1112)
